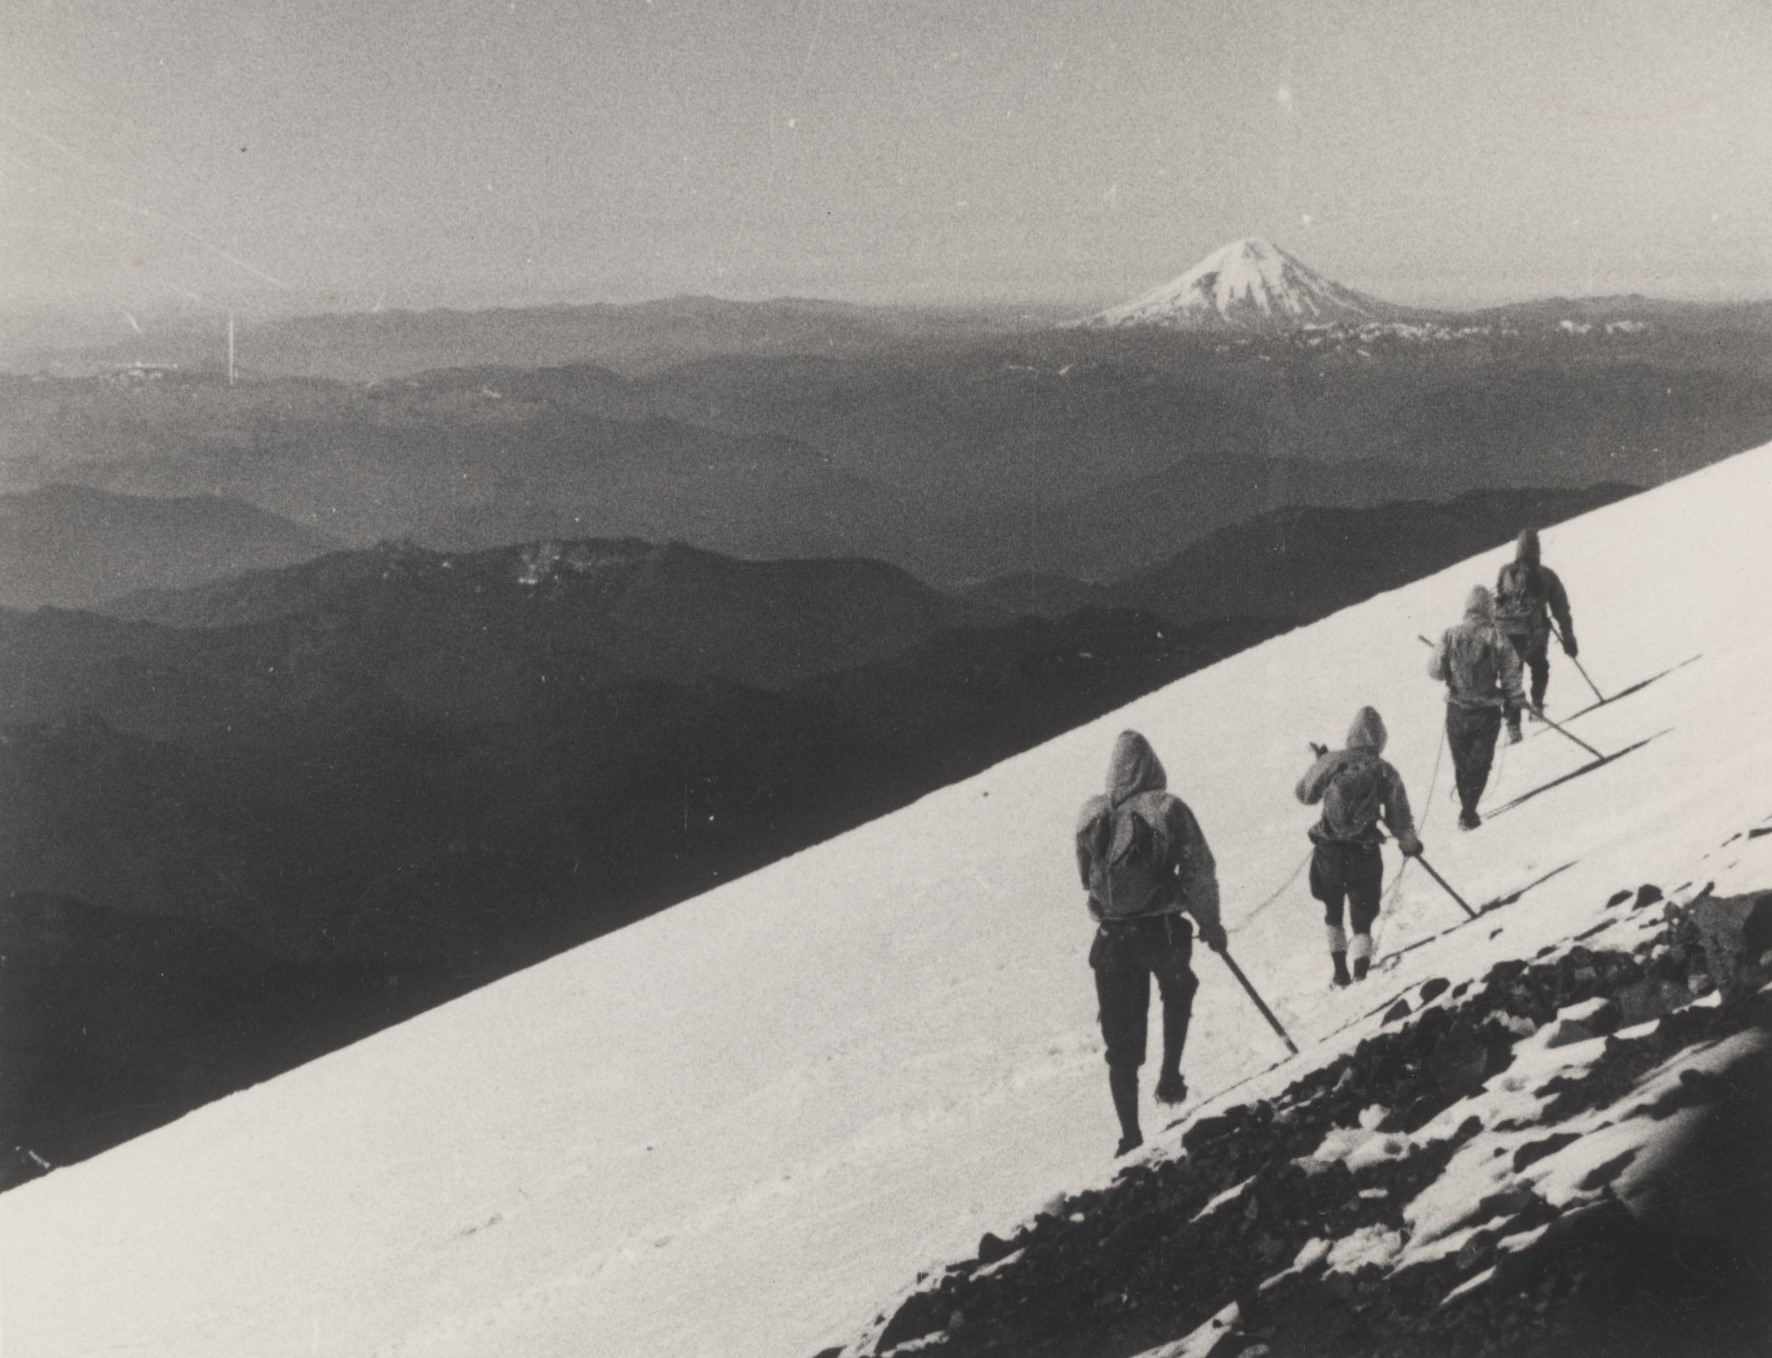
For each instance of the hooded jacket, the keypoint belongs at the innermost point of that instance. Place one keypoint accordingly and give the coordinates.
(1136, 781)
(1356, 787)
(1476, 663)
(1528, 594)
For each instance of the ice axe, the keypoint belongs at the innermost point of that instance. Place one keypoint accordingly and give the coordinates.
(1561, 641)
(1446, 886)
(1260, 1003)
(1570, 734)
(1539, 712)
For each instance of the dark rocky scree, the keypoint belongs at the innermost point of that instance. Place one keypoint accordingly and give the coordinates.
(1121, 1270)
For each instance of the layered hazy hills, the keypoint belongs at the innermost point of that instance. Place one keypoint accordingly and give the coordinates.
(615, 607)
(1304, 562)
(1247, 287)
(459, 637)
(72, 545)
(451, 463)
(1123, 446)
(1079, 453)
(635, 337)
(1672, 314)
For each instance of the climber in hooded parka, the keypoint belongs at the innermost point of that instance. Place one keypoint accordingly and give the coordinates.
(1146, 865)
(1528, 595)
(1481, 672)
(1357, 787)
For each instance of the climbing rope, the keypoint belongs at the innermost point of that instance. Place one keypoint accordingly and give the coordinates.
(1432, 783)
(1501, 758)
(1433, 779)
(1390, 894)
(1279, 892)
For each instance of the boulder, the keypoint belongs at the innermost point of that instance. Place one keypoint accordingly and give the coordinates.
(1735, 932)
(1598, 1017)
(1649, 998)
(992, 1247)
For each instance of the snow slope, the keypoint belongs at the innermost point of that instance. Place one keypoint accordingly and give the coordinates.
(1250, 284)
(741, 1126)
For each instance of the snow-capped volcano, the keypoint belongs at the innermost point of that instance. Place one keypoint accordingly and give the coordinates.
(1249, 284)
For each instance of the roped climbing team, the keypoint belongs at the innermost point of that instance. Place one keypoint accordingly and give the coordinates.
(1146, 865)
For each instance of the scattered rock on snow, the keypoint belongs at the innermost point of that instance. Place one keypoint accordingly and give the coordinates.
(1308, 1250)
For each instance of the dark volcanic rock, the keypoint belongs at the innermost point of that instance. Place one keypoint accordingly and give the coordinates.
(1123, 1270)
(1534, 1151)
(1734, 932)
(991, 1248)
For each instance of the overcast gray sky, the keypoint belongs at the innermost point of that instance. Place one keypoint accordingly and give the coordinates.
(427, 152)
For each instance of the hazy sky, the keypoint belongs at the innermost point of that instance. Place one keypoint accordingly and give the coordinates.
(425, 152)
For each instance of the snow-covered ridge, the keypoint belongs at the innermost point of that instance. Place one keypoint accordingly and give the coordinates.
(1249, 284)
(743, 1125)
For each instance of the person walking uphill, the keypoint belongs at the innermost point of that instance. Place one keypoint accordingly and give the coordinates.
(1356, 786)
(1481, 672)
(1143, 862)
(1527, 596)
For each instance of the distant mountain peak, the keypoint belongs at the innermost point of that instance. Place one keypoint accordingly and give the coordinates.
(1249, 284)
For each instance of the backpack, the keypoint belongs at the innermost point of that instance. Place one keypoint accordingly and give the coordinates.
(1519, 593)
(1352, 801)
(1128, 857)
